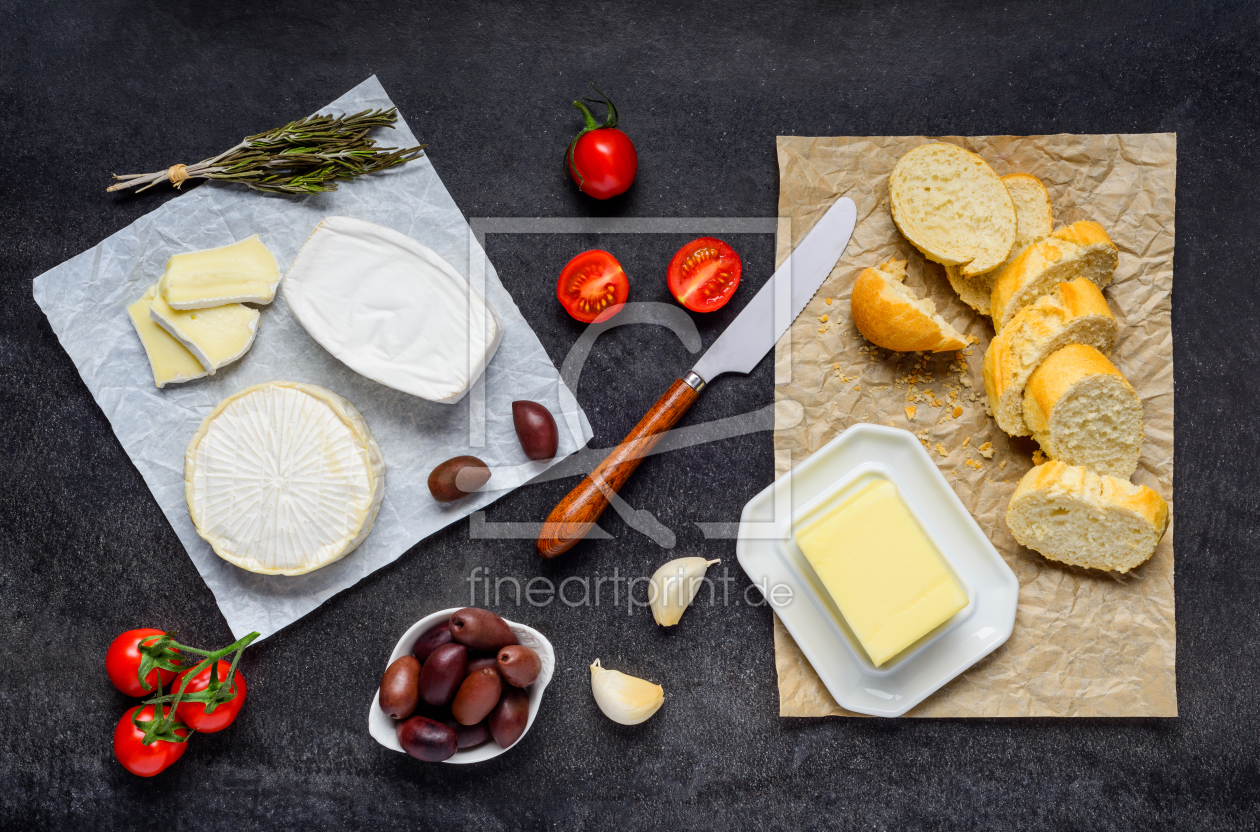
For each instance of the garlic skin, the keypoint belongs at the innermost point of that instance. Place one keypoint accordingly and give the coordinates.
(627, 700)
(674, 585)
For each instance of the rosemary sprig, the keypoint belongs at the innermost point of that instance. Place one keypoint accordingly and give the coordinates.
(303, 157)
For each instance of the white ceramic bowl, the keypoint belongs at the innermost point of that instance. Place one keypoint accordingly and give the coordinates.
(383, 729)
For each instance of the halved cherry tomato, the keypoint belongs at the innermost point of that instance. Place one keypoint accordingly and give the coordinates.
(141, 759)
(704, 274)
(593, 286)
(193, 714)
(122, 663)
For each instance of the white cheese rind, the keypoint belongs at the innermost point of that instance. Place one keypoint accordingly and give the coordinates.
(284, 478)
(392, 309)
(243, 272)
(217, 336)
(170, 361)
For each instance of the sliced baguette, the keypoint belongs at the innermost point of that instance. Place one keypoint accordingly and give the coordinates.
(1081, 249)
(1075, 516)
(1073, 313)
(951, 205)
(1084, 412)
(1034, 220)
(890, 317)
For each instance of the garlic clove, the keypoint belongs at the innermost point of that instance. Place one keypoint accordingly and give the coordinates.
(624, 699)
(674, 586)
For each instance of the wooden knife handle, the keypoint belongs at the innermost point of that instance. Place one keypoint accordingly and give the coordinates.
(577, 512)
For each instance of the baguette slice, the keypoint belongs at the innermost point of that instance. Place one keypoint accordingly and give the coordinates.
(890, 317)
(1034, 220)
(1074, 313)
(951, 205)
(1077, 517)
(1084, 412)
(1081, 249)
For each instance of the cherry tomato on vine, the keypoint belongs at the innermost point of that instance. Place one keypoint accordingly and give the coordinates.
(593, 286)
(122, 663)
(193, 714)
(704, 274)
(138, 758)
(602, 159)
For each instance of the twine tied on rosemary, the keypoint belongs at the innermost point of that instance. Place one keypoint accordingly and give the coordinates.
(303, 157)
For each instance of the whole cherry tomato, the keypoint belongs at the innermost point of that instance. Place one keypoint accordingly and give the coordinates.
(602, 159)
(704, 274)
(122, 663)
(593, 286)
(193, 714)
(141, 759)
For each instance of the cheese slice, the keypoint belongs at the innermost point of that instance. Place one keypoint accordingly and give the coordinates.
(244, 272)
(170, 360)
(392, 309)
(217, 336)
(283, 478)
(885, 575)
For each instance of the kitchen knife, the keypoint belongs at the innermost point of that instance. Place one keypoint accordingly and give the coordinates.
(737, 350)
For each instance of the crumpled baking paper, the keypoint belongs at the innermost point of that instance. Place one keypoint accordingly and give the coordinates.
(1086, 643)
(86, 297)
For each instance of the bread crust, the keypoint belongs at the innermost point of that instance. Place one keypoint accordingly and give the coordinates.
(887, 315)
(1086, 241)
(1030, 338)
(1092, 493)
(1055, 377)
(951, 249)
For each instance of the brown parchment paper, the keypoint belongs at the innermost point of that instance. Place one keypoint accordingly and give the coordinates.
(1086, 643)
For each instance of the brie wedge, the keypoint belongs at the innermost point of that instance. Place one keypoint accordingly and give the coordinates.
(170, 360)
(283, 478)
(217, 336)
(392, 309)
(244, 272)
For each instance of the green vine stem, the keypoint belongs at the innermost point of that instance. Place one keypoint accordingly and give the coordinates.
(610, 120)
(216, 693)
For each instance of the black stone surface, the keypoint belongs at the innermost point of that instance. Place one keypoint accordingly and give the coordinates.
(90, 88)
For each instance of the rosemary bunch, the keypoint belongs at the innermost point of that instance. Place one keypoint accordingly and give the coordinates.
(303, 157)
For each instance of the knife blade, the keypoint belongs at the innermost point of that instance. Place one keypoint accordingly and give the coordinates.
(737, 350)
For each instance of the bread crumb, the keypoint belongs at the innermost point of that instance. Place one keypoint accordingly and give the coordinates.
(827, 301)
(823, 318)
(835, 365)
(1039, 458)
(910, 409)
(971, 463)
(957, 412)
(966, 441)
(986, 451)
(940, 449)
(972, 339)
(1003, 465)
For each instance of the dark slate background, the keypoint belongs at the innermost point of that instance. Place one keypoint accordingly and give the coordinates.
(90, 88)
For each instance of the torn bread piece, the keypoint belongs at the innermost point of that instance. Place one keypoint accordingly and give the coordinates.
(1074, 516)
(170, 361)
(890, 317)
(1082, 411)
(1081, 249)
(244, 272)
(1073, 313)
(1034, 220)
(216, 336)
(952, 206)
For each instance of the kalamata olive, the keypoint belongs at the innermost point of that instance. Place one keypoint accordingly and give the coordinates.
(507, 720)
(458, 477)
(443, 673)
(477, 696)
(536, 429)
(427, 739)
(519, 665)
(481, 630)
(469, 735)
(482, 662)
(400, 687)
(431, 640)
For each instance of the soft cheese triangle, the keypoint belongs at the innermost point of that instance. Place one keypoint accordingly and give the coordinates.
(217, 336)
(170, 361)
(392, 309)
(244, 272)
(283, 478)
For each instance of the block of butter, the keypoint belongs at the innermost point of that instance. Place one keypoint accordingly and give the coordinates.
(881, 569)
(244, 272)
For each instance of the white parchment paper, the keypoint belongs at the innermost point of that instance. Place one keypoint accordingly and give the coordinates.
(86, 297)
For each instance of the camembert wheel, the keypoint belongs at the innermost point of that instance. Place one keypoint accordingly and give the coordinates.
(283, 478)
